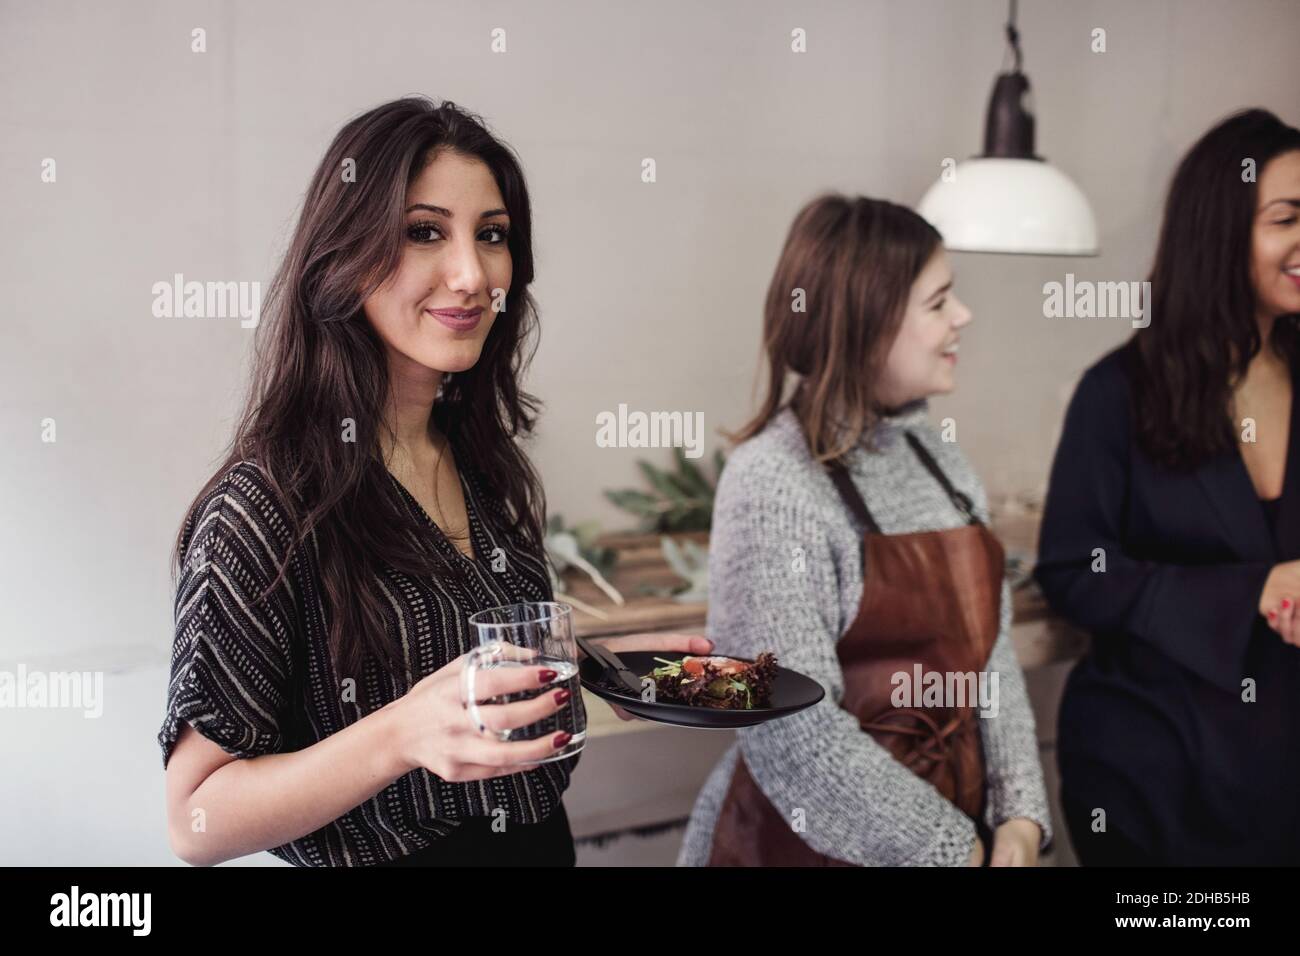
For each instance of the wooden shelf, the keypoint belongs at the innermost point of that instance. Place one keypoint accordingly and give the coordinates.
(640, 562)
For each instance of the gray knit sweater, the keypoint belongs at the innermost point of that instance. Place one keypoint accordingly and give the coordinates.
(775, 505)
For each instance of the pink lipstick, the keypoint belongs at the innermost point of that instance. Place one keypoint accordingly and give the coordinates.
(458, 320)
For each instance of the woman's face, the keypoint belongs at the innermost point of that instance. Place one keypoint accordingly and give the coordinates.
(436, 310)
(923, 358)
(1275, 252)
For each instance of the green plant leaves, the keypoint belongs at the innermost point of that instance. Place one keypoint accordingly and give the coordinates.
(680, 499)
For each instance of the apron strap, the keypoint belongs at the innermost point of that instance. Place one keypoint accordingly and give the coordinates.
(853, 498)
(960, 500)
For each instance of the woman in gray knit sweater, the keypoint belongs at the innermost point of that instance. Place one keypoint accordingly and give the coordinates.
(861, 315)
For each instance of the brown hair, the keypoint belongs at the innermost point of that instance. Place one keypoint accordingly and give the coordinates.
(318, 361)
(854, 260)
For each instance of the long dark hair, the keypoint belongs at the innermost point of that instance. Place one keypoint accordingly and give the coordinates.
(1203, 332)
(318, 361)
(855, 260)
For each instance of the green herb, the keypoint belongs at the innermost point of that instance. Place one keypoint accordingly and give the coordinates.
(741, 685)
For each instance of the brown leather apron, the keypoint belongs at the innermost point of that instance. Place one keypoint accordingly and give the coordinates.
(930, 598)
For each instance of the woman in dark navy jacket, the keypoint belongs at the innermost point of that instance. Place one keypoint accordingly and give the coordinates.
(1172, 532)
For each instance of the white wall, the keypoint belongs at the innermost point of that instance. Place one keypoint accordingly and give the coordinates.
(170, 161)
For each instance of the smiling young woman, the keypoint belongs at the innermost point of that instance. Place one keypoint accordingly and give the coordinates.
(373, 498)
(850, 539)
(1172, 532)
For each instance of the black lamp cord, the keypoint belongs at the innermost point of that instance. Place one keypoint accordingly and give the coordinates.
(1013, 35)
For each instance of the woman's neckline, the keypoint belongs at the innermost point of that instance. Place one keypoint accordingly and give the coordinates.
(471, 510)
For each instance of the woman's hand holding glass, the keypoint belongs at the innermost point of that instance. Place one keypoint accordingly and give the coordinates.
(434, 731)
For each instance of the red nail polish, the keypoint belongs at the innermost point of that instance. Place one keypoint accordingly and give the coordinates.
(546, 675)
(561, 696)
(560, 740)
(1272, 614)
(1286, 603)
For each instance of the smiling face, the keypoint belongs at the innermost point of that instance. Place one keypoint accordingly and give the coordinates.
(922, 360)
(1275, 245)
(435, 311)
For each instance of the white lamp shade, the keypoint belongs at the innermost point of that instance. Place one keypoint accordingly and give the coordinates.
(1019, 206)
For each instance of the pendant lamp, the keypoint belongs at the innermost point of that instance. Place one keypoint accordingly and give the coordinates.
(1008, 199)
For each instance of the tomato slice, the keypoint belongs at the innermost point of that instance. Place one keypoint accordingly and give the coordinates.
(694, 666)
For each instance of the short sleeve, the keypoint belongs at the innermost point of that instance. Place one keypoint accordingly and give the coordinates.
(232, 653)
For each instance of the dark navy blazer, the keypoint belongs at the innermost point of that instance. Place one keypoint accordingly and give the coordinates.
(1153, 726)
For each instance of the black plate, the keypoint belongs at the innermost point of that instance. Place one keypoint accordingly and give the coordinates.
(791, 693)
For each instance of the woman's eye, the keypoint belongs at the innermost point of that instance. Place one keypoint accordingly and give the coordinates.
(426, 232)
(423, 232)
(938, 305)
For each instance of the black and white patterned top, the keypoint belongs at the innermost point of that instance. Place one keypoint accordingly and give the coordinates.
(259, 679)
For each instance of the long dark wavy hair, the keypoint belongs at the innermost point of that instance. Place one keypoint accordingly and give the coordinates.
(318, 361)
(1203, 332)
(855, 259)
